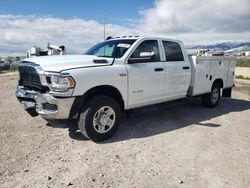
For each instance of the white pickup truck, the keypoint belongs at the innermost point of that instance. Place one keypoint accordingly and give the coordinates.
(117, 75)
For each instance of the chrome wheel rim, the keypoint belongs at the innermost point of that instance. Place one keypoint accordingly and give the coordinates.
(215, 95)
(104, 119)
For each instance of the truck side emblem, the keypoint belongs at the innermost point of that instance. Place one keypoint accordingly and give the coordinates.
(138, 91)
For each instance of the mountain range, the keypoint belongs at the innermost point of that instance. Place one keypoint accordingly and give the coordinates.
(225, 46)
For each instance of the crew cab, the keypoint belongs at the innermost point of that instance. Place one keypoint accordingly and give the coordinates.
(117, 75)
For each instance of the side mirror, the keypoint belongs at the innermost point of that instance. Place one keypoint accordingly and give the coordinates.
(147, 54)
(143, 58)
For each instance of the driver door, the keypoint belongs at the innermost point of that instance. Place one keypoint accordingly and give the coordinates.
(145, 78)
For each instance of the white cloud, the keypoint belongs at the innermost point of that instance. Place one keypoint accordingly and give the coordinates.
(193, 21)
(198, 20)
(18, 33)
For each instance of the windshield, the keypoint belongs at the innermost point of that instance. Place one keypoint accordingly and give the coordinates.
(111, 48)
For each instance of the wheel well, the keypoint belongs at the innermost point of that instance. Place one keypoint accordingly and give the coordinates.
(219, 81)
(105, 90)
(99, 90)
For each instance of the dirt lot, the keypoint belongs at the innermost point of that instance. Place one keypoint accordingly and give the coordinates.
(169, 145)
(244, 71)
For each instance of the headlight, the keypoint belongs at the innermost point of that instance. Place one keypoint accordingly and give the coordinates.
(61, 83)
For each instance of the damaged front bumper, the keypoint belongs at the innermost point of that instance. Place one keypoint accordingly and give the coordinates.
(45, 105)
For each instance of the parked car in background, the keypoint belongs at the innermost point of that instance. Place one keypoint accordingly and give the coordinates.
(1, 64)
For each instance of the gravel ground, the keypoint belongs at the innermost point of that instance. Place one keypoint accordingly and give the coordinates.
(169, 145)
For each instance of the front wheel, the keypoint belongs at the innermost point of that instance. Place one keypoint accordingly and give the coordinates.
(212, 99)
(99, 119)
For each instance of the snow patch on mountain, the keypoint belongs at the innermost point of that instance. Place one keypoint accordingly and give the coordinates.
(237, 46)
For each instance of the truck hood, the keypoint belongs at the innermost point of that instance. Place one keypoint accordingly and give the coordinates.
(59, 63)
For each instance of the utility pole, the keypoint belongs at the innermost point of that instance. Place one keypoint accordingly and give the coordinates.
(104, 28)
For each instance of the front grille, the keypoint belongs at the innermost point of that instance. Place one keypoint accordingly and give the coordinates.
(29, 77)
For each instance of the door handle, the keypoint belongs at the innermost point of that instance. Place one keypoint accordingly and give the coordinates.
(185, 68)
(158, 69)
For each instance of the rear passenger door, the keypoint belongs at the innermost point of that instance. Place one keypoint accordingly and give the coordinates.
(177, 71)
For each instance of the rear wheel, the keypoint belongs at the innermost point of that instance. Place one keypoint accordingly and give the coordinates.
(212, 99)
(99, 118)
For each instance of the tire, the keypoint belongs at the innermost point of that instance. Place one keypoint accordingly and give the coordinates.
(99, 118)
(212, 99)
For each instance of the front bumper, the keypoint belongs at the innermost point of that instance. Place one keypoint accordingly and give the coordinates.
(45, 105)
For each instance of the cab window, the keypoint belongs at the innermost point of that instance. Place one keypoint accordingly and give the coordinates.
(173, 51)
(150, 46)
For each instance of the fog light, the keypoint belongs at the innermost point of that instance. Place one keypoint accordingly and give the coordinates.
(51, 107)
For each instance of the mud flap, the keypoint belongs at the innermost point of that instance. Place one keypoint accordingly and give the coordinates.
(227, 92)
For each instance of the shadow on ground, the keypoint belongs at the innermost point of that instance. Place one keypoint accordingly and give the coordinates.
(162, 118)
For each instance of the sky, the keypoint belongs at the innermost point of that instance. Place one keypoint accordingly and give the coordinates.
(78, 24)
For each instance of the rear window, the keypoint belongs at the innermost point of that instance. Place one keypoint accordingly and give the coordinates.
(173, 51)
